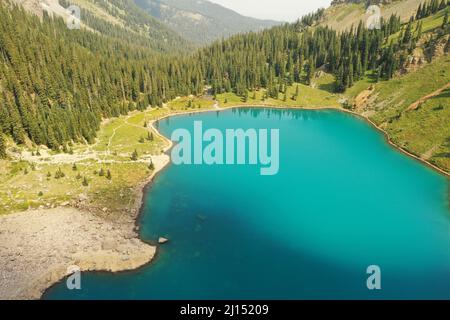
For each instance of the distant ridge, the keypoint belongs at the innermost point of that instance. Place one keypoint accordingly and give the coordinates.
(121, 19)
(202, 21)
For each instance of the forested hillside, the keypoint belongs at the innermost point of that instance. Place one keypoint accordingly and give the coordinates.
(202, 21)
(281, 55)
(59, 86)
(117, 19)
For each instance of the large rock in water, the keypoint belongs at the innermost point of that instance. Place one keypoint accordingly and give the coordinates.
(162, 240)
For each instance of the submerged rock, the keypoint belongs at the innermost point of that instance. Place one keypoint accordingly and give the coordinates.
(201, 217)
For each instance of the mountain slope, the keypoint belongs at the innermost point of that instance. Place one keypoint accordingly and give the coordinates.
(201, 21)
(342, 14)
(118, 19)
(414, 110)
(56, 84)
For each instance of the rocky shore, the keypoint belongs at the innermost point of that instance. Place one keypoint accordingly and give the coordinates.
(37, 248)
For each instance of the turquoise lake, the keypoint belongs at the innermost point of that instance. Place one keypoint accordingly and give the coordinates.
(343, 200)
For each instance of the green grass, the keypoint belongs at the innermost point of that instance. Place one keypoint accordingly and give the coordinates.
(428, 24)
(326, 82)
(20, 191)
(360, 86)
(396, 95)
(127, 138)
(432, 22)
(425, 131)
(121, 136)
(349, 9)
(20, 185)
(196, 103)
(309, 97)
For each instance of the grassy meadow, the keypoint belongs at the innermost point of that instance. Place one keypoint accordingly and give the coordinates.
(34, 181)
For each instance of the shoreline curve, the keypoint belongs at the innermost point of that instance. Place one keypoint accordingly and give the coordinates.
(98, 262)
(145, 186)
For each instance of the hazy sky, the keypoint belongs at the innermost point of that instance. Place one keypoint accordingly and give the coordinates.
(283, 10)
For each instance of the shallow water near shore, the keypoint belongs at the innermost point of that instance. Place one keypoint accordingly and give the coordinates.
(343, 200)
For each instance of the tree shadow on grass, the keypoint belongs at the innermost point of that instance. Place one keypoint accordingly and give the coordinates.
(329, 87)
(443, 94)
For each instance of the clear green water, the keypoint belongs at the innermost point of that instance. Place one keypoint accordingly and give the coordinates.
(343, 200)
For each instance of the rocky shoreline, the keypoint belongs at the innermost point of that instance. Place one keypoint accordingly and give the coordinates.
(37, 247)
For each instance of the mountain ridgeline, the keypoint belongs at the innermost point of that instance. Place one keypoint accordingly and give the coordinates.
(116, 19)
(145, 30)
(56, 84)
(201, 21)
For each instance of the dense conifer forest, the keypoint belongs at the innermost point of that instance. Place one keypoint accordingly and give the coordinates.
(56, 84)
(133, 26)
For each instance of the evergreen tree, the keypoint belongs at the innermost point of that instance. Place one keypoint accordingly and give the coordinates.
(59, 174)
(419, 30)
(134, 155)
(419, 12)
(245, 99)
(408, 33)
(310, 71)
(2, 146)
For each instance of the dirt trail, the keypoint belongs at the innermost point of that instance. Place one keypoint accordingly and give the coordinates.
(216, 105)
(416, 104)
(108, 148)
(89, 154)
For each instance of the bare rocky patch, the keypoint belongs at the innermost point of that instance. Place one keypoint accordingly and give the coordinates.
(37, 247)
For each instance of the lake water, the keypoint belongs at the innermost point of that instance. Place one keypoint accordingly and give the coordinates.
(343, 200)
